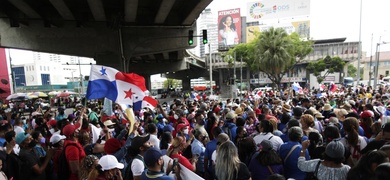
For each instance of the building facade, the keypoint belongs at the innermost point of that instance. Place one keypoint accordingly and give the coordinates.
(383, 66)
(208, 21)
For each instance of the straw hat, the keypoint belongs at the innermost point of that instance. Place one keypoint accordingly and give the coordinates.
(327, 107)
(287, 107)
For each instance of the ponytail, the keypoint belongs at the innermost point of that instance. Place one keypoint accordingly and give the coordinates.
(351, 127)
(95, 172)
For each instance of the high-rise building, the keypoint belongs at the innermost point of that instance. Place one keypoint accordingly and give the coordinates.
(207, 20)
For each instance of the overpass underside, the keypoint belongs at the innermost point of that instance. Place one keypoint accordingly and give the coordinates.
(142, 36)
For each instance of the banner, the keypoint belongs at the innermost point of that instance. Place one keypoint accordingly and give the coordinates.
(229, 28)
(276, 9)
(302, 28)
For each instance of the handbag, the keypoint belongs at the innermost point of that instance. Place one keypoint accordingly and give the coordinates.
(313, 175)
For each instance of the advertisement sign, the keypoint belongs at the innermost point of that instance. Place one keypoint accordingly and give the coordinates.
(284, 80)
(300, 27)
(276, 9)
(229, 28)
(5, 87)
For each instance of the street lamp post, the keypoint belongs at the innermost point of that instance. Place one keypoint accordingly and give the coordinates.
(377, 62)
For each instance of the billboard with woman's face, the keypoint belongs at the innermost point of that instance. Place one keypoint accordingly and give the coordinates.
(229, 28)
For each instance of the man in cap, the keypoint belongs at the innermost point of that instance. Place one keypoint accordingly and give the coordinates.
(33, 168)
(155, 162)
(138, 147)
(230, 126)
(74, 152)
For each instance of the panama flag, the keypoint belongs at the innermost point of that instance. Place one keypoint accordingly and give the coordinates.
(122, 88)
(195, 96)
(332, 87)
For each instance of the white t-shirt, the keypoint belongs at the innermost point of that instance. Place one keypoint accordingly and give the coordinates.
(18, 130)
(155, 141)
(276, 141)
(137, 167)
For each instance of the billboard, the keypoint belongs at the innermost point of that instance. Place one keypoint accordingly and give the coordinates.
(229, 28)
(5, 88)
(276, 9)
(300, 27)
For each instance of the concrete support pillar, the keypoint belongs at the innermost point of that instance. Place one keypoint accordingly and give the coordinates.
(148, 81)
(248, 78)
(186, 83)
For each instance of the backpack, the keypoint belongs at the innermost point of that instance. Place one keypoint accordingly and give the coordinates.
(228, 130)
(63, 166)
(128, 173)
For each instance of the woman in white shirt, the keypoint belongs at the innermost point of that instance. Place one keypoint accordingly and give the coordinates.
(352, 140)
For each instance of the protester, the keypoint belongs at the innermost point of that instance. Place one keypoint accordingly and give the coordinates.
(266, 162)
(108, 168)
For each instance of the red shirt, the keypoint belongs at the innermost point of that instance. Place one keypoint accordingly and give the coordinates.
(183, 161)
(55, 158)
(74, 153)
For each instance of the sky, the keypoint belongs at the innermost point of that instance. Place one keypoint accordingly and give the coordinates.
(328, 19)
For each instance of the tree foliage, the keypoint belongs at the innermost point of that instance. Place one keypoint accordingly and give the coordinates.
(327, 65)
(272, 52)
(171, 83)
(352, 71)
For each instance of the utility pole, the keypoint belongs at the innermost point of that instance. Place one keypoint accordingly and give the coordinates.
(234, 75)
(370, 66)
(241, 76)
(360, 43)
(211, 71)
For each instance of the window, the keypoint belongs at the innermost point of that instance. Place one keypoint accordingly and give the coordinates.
(386, 63)
(387, 73)
(40, 68)
(32, 68)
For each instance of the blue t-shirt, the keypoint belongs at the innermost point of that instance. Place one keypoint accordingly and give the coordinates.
(2, 142)
(291, 169)
(148, 175)
(210, 148)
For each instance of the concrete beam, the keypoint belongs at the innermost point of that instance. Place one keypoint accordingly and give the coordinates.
(131, 7)
(165, 55)
(25, 8)
(190, 19)
(62, 9)
(156, 68)
(164, 10)
(97, 10)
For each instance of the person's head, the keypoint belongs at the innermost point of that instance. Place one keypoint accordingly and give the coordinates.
(376, 127)
(112, 146)
(386, 131)
(108, 166)
(178, 145)
(182, 128)
(166, 140)
(331, 133)
(227, 21)
(267, 155)
(382, 171)
(306, 103)
(246, 147)
(139, 145)
(369, 162)
(231, 117)
(199, 135)
(88, 164)
(153, 159)
(10, 137)
(386, 148)
(240, 121)
(265, 127)
(297, 111)
(241, 132)
(227, 161)
(151, 128)
(285, 118)
(274, 124)
(37, 136)
(351, 127)
(295, 134)
(307, 121)
(216, 131)
(71, 131)
(84, 137)
(57, 140)
(25, 141)
(4, 129)
(334, 152)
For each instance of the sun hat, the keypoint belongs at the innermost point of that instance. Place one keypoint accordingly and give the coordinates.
(109, 162)
(286, 107)
(318, 115)
(151, 156)
(108, 123)
(335, 149)
(239, 111)
(21, 137)
(327, 107)
(55, 138)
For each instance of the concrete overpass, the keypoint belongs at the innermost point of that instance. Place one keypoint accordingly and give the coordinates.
(142, 36)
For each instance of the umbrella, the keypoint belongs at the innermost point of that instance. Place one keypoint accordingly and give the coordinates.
(52, 93)
(38, 94)
(65, 94)
(18, 96)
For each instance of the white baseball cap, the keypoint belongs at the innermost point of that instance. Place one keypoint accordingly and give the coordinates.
(55, 138)
(109, 162)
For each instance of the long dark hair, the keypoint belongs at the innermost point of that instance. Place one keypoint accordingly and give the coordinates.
(351, 127)
(166, 138)
(246, 147)
(267, 158)
(232, 26)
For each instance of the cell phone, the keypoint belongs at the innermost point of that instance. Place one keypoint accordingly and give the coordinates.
(175, 163)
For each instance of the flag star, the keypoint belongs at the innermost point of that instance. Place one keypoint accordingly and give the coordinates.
(129, 94)
(103, 71)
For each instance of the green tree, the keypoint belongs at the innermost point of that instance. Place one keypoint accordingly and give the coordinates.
(328, 64)
(171, 83)
(352, 70)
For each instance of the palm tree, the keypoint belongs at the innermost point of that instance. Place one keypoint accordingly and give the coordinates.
(272, 54)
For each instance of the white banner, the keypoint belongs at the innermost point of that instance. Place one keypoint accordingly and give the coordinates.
(276, 9)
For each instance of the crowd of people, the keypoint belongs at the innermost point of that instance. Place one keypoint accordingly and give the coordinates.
(340, 135)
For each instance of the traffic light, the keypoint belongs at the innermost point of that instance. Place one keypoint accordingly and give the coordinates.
(205, 36)
(190, 37)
